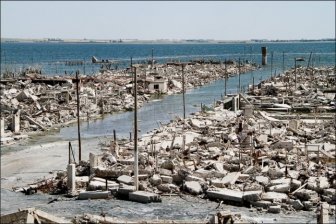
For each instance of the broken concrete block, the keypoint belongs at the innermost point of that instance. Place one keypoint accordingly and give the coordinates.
(282, 145)
(307, 195)
(248, 111)
(93, 195)
(297, 205)
(100, 184)
(275, 173)
(315, 183)
(262, 204)
(249, 170)
(124, 191)
(274, 209)
(82, 182)
(231, 178)
(251, 196)
(294, 124)
(168, 188)
(217, 183)
(155, 180)
(194, 178)
(243, 177)
(203, 173)
(262, 138)
(125, 180)
(308, 205)
(271, 196)
(94, 160)
(265, 170)
(218, 167)
(263, 180)
(167, 179)
(281, 188)
(142, 176)
(226, 195)
(168, 164)
(144, 197)
(193, 187)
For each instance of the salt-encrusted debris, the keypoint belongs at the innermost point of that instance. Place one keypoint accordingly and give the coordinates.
(272, 161)
(33, 102)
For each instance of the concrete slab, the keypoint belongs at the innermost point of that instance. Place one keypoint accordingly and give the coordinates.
(226, 195)
(231, 178)
(167, 179)
(263, 180)
(274, 209)
(144, 197)
(193, 187)
(93, 195)
(124, 191)
(124, 179)
(262, 204)
(271, 196)
(194, 178)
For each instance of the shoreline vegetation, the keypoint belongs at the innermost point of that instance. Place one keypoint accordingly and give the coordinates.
(158, 41)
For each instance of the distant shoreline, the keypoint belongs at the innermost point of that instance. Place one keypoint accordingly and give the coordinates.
(127, 41)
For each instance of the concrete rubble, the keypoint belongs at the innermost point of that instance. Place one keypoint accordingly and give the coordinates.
(32, 102)
(276, 162)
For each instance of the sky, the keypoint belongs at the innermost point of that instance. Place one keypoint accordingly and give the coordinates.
(150, 20)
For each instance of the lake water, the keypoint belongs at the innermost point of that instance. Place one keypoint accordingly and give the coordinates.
(51, 57)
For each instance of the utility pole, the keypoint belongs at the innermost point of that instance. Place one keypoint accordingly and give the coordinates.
(239, 75)
(136, 171)
(183, 90)
(78, 120)
(271, 64)
(84, 66)
(152, 58)
(283, 62)
(225, 78)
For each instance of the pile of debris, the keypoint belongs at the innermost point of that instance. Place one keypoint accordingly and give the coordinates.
(313, 90)
(237, 158)
(38, 103)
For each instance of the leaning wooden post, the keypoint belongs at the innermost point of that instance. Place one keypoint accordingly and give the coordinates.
(114, 135)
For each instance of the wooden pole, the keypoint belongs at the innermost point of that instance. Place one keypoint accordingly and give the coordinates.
(271, 64)
(183, 91)
(135, 132)
(283, 62)
(225, 78)
(239, 74)
(78, 120)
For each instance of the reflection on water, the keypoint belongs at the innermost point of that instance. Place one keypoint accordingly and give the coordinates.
(159, 111)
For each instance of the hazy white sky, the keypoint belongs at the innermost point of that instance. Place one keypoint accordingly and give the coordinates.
(220, 20)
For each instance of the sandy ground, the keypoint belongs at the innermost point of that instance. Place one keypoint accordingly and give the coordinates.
(44, 155)
(40, 160)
